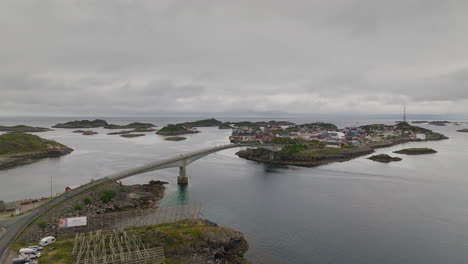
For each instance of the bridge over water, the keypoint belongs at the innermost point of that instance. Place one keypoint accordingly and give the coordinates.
(183, 160)
(12, 228)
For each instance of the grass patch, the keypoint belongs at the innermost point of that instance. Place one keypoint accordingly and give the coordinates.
(13, 143)
(107, 195)
(61, 254)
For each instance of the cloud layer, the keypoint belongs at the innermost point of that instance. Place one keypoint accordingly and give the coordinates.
(122, 57)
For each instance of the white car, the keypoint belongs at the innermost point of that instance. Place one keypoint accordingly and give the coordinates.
(36, 248)
(28, 253)
(47, 241)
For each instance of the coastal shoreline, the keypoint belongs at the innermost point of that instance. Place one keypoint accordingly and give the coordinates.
(15, 160)
(326, 159)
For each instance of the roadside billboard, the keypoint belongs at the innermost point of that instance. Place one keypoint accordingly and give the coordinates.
(71, 222)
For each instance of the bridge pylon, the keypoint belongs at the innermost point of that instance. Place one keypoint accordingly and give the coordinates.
(182, 179)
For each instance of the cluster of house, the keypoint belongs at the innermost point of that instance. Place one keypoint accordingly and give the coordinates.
(336, 138)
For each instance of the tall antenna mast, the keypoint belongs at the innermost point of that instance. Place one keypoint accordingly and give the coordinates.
(404, 114)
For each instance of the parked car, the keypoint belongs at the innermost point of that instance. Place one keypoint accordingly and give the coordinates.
(23, 261)
(47, 241)
(29, 253)
(36, 247)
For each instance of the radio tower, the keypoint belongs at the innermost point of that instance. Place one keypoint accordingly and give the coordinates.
(404, 114)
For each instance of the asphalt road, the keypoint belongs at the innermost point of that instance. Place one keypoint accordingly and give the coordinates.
(14, 227)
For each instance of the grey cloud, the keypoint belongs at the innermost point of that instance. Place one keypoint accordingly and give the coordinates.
(117, 56)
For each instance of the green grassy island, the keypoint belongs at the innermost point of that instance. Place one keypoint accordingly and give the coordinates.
(20, 148)
(384, 158)
(23, 128)
(170, 130)
(136, 125)
(83, 124)
(175, 138)
(416, 151)
(203, 123)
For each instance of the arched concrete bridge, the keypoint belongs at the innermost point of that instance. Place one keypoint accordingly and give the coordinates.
(183, 160)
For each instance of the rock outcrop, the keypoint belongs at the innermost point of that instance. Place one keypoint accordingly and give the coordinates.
(199, 241)
(384, 158)
(23, 128)
(416, 151)
(82, 124)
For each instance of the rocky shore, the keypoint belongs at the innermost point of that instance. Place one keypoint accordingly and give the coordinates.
(184, 242)
(20, 149)
(326, 157)
(384, 158)
(198, 241)
(82, 124)
(311, 160)
(13, 160)
(23, 128)
(416, 151)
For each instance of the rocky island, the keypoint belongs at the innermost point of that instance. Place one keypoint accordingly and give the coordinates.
(416, 151)
(132, 135)
(384, 158)
(465, 130)
(202, 123)
(315, 144)
(171, 130)
(20, 149)
(175, 138)
(23, 129)
(136, 125)
(89, 133)
(82, 124)
(439, 123)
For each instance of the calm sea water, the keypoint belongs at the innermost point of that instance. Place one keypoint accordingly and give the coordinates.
(413, 211)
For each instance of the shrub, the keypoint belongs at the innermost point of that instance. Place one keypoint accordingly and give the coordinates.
(78, 207)
(107, 195)
(87, 201)
(42, 225)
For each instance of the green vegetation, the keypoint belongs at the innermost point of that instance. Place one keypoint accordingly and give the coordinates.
(416, 151)
(293, 149)
(107, 195)
(132, 135)
(83, 124)
(13, 143)
(407, 127)
(60, 253)
(23, 128)
(246, 124)
(78, 207)
(131, 125)
(373, 127)
(321, 126)
(176, 238)
(174, 130)
(42, 225)
(203, 123)
(87, 201)
(175, 138)
(225, 126)
(287, 141)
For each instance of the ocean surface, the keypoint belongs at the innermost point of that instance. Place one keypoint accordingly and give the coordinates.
(360, 211)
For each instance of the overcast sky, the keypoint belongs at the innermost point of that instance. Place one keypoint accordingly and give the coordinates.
(147, 57)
